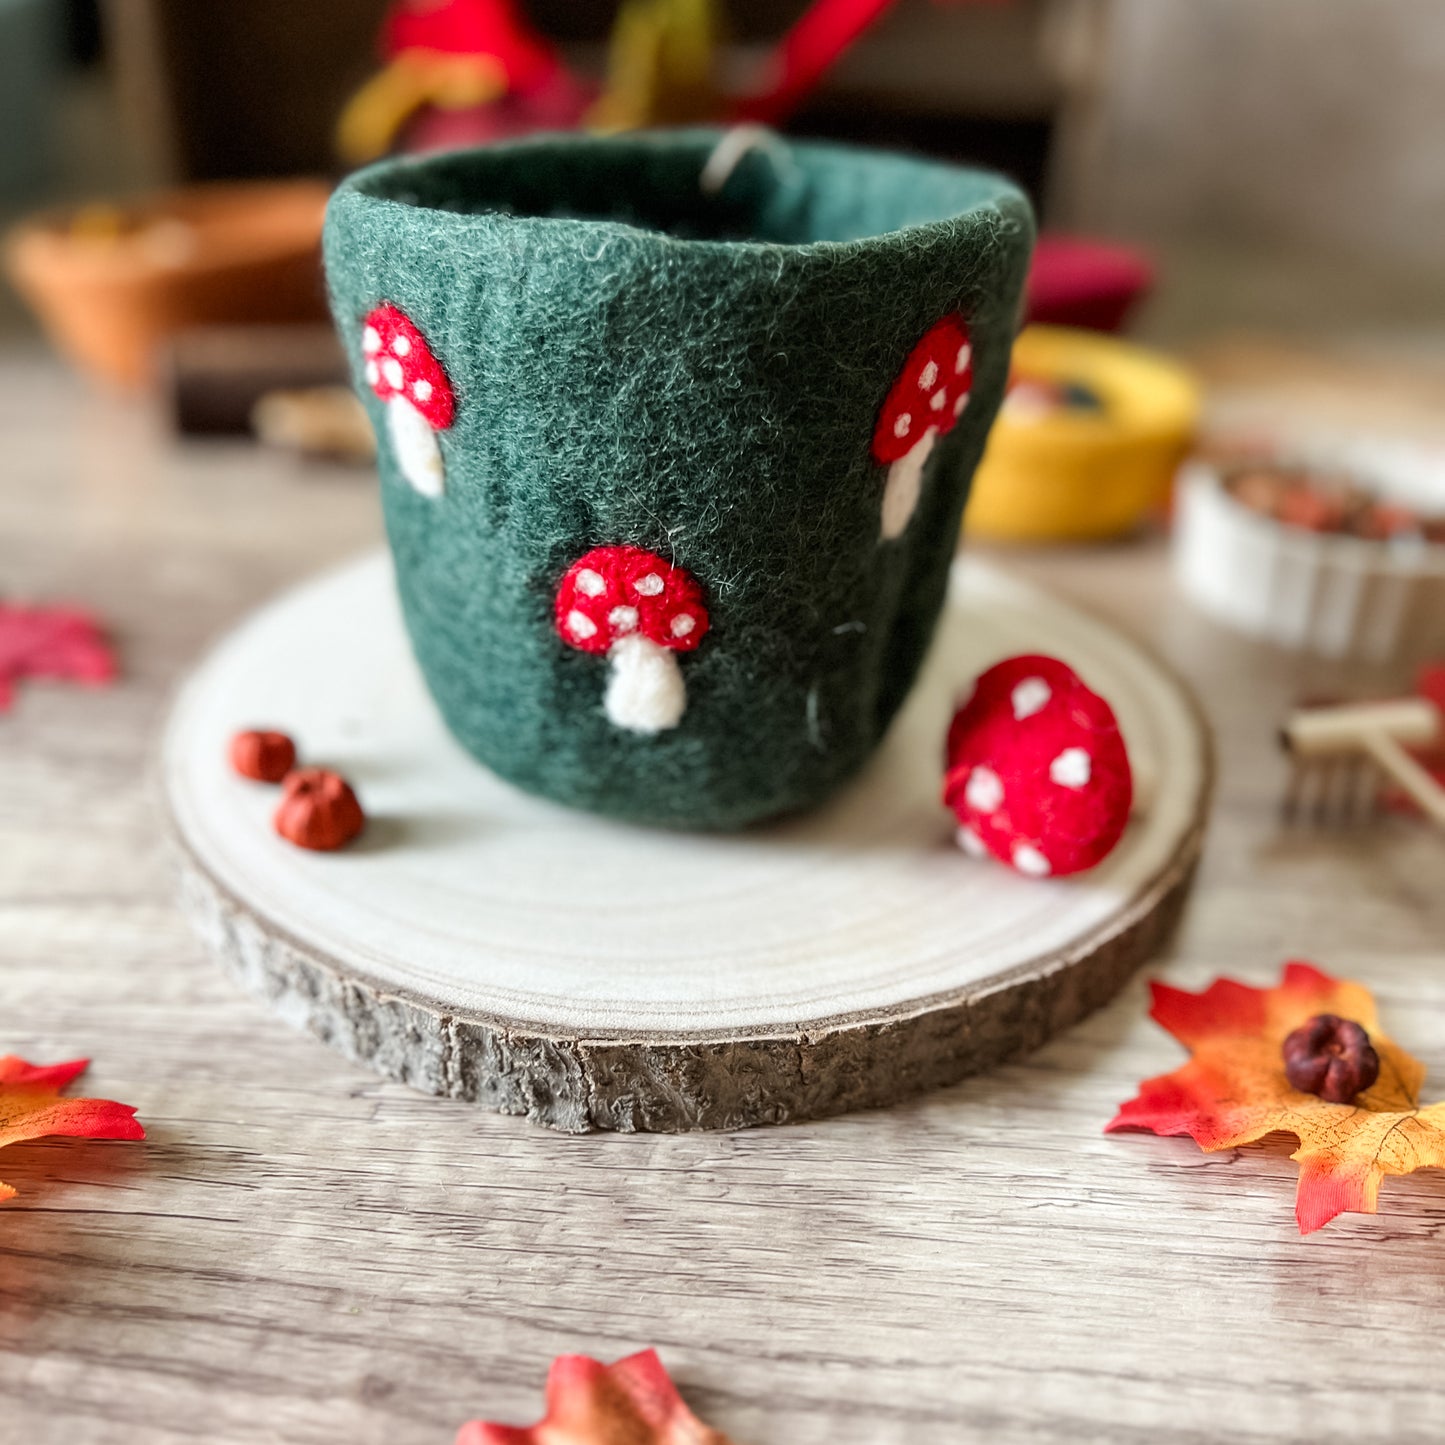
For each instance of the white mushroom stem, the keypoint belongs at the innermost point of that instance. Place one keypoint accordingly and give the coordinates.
(645, 690)
(414, 443)
(904, 485)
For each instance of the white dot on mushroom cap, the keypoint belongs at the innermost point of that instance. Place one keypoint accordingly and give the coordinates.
(421, 390)
(928, 376)
(623, 619)
(1028, 859)
(1029, 696)
(373, 373)
(938, 400)
(648, 586)
(903, 425)
(371, 341)
(590, 583)
(402, 346)
(965, 355)
(959, 405)
(984, 790)
(971, 843)
(1072, 768)
(580, 625)
(683, 624)
(391, 370)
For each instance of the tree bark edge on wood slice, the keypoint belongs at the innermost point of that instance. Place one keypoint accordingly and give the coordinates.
(669, 1085)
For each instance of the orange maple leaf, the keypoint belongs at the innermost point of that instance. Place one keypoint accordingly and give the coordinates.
(1233, 1090)
(31, 1107)
(632, 1402)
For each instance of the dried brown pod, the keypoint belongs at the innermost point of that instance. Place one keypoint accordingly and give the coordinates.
(318, 810)
(1332, 1058)
(265, 757)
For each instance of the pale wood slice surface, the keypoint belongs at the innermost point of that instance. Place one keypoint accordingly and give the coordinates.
(482, 944)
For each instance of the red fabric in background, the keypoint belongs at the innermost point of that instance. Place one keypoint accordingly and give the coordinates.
(1091, 284)
(815, 44)
(498, 28)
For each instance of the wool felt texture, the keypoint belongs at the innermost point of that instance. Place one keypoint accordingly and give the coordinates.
(636, 609)
(924, 402)
(400, 365)
(636, 362)
(1037, 771)
(404, 374)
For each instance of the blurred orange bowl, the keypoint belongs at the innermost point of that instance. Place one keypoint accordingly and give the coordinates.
(111, 282)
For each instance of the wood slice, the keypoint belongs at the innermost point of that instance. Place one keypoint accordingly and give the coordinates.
(483, 944)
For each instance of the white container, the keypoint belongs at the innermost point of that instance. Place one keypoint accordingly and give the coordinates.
(1337, 596)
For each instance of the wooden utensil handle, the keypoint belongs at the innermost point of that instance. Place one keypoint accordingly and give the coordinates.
(1408, 774)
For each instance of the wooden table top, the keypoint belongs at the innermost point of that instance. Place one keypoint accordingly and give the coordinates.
(301, 1253)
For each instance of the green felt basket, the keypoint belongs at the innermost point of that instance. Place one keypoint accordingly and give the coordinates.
(675, 442)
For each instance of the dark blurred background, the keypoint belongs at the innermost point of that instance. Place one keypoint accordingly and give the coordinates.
(1274, 152)
(244, 90)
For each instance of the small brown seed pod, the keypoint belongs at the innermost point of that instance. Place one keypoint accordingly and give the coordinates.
(265, 757)
(318, 810)
(1332, 1058)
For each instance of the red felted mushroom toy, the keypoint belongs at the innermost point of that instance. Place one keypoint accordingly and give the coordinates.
(1037, 771)
(402, 371)
(925, 403)
(639, 611)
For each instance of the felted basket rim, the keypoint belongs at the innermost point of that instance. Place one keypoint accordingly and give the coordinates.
(994, 192)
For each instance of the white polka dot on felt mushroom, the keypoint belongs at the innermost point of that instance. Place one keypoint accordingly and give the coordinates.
(623, 619)
(928, 376)
(903, 425)
(984, 790)
(649, 586)
(371, 341)
(402, 346)
(939, 399)
(373, 373)
(421, 390)
(965, 355)
(580, 625)
(1030, 696)
(683, 624)
(1028, 859)
(959, 405)
(391, 370)
(1072, 768)
(971, 843)
(590, 583)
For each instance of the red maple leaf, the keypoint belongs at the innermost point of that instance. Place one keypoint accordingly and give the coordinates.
(51, 642)
(1234, 1090)
(31, 1107)
(632, 1402)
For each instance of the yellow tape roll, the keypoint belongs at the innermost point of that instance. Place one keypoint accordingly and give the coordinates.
(1078, 474)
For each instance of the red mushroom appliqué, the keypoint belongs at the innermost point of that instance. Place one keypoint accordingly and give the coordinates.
(638, 611)
(924, 404)
(402, 371)
(1037, 770)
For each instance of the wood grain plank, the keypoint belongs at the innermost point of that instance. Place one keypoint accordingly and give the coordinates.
(301, 1253)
